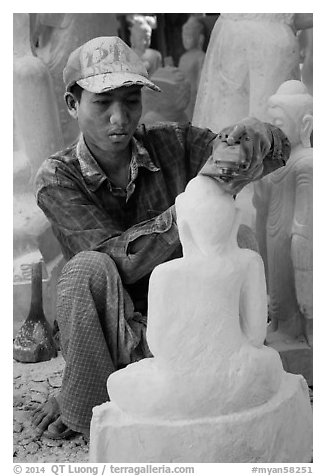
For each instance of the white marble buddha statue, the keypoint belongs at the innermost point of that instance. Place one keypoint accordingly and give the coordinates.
(207, 314)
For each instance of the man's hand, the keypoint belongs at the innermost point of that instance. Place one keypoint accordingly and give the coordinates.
(238, 154)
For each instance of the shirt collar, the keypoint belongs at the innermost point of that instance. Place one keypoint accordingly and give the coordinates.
(94, 175)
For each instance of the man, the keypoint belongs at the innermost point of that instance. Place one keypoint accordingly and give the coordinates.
(110, 200)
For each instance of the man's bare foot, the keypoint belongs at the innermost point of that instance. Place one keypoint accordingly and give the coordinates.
(46, 414)
(58, 430)
(48, 421)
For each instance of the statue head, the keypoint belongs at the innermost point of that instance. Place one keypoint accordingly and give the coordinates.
(193, 36)
(207, 216)
(291, 109)
(140, 32)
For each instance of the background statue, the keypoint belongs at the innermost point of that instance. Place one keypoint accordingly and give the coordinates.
(37, 134)
(248, 57)
(171, 103)
(191, 62)
(140, 39)
(284, 219)
(54, 36)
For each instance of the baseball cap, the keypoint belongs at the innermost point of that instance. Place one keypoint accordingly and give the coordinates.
(103, 64)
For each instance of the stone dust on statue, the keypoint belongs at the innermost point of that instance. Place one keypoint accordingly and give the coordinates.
(191, 62)
(284, 202)
(140, 39)
(212, 392)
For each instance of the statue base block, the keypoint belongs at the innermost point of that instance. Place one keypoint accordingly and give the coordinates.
(280, 431)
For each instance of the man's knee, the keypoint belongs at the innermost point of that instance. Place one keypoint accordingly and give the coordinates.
(88, 264)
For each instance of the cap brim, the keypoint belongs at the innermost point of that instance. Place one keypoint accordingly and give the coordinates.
(108, 81)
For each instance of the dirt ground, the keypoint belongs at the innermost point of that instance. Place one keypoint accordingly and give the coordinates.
(33, 384)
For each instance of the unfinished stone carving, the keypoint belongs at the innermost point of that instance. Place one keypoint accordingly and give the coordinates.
(212, 392)
(191, 62)
(284, 230)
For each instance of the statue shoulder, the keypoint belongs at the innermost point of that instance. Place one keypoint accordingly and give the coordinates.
(169, 269)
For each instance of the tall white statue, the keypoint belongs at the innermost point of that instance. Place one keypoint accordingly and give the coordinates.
(212, 392)
(248, 57)
(140, 39)
(37, 134)
(54, 36)
(284, 202)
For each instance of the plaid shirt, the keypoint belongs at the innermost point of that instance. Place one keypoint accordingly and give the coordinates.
(87, 212)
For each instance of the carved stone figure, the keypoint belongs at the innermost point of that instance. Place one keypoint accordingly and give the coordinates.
(284, 226)
(191, 62)
(211, 382)
(54, 36)
(171, 103)
(37, 134)
(249, 55)
(140, 40)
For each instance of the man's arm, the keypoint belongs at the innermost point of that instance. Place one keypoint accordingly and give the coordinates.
(80, 224)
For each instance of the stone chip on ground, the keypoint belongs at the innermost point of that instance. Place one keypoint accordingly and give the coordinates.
(32, 448)
(17, 427)
(55, 381)
(38, 397)
(40, 387)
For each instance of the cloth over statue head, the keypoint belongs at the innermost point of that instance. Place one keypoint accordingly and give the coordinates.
(103, 64)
